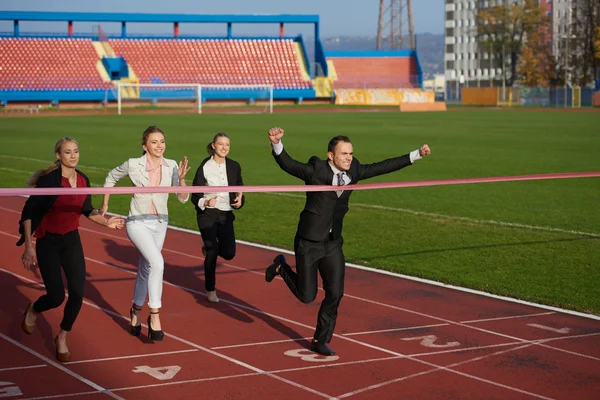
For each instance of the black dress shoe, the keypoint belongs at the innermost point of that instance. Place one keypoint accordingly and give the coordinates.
(271, 271)
(321, 348)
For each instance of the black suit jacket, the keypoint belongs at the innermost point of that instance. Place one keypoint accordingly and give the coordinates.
(234, 178)
(324, 211)
(37, 206)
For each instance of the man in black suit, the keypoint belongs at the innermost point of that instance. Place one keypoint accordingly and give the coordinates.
(318, 241)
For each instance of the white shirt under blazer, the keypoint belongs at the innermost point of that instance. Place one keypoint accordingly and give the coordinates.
(135, 168)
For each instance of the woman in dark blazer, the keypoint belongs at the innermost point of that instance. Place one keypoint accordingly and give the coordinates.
(214, 211)
(54, 220)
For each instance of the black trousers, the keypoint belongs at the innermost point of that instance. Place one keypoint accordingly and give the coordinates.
(216, 228)
(328, 259)
(53, 252)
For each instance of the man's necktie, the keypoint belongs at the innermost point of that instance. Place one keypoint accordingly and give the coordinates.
(340, 182)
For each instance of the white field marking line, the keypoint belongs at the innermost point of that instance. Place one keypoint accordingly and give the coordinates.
(502, 318)
(461, 324)
(20, 368)
(402, 276)
(393, 330)
(294, 322)
(465, 219)
(16, 171)
(543, 341)
(446, 368)
(216, 378)
(59, 396)
(233, 346)
(149, 386)
(372, 270)
(99, 389)
(347, 295)
(79, 166)
(336, 335)
(164, 353)
(181, 340)
(464, 349)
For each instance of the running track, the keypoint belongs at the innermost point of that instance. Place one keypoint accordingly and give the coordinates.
(396, 338)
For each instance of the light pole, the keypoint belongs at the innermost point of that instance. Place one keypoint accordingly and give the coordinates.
(567, 39)
(503, 72)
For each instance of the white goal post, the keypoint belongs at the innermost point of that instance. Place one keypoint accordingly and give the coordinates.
(195, 92)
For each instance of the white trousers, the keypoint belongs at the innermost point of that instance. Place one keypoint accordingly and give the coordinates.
(148, 236)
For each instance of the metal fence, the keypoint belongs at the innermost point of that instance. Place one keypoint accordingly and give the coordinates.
(556, 97)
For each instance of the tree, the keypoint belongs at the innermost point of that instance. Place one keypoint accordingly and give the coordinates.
(582, 34)
(536, 65)
(598, 43)
(503, 29)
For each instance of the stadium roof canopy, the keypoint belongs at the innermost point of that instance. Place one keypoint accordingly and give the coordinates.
(135, 17)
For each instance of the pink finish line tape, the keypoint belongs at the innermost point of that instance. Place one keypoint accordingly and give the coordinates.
(289, 188)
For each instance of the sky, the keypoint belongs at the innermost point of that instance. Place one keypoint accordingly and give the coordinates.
(338, 17)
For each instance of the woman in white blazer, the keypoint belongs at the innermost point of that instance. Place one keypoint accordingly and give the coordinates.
(147, 222)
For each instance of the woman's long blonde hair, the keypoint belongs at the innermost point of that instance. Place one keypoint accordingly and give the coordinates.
(33, 179)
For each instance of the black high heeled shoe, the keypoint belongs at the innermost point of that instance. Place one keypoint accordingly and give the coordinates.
(135, 330)
(152, 334)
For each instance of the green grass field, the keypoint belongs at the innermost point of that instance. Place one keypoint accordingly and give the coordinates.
(533, 240)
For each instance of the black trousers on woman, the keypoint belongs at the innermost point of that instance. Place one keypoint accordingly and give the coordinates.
(216, 228)
(327, 258)
(53, 252)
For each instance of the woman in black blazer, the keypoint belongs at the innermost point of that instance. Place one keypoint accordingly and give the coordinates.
(54, 220)
(214, 211)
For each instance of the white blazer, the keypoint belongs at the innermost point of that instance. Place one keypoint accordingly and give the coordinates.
(135, 168)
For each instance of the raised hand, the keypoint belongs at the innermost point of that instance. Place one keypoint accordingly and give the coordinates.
(424, 150)
(183, 168)
(275, 135)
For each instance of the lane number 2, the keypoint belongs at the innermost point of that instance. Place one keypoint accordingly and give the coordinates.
(429, 341)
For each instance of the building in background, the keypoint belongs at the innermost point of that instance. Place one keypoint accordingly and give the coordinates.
(467, 64)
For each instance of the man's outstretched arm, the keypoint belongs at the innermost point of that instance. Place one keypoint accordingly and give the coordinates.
(367, 171)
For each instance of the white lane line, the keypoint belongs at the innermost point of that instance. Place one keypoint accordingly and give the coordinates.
(233, 346)
(59, 396)
(448, 368)
(165, 353)
(99, 389)
(50, 162)
(297, 323)
(361, 267)
(20, 368)
(347, 295)
(181, 340)
(336, 335)
(393, 330)
(474, 321)
(457, 218)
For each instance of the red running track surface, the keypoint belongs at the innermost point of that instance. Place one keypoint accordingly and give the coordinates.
(395, 338)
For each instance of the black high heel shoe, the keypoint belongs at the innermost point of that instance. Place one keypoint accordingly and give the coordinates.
(135, 330)
(152, 334)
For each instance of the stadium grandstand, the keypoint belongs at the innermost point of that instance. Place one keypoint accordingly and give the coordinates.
(69, 68)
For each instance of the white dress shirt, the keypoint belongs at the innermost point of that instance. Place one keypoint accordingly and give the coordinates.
(216, 175)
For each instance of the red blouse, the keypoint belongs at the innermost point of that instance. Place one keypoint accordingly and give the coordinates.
(64, 215)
